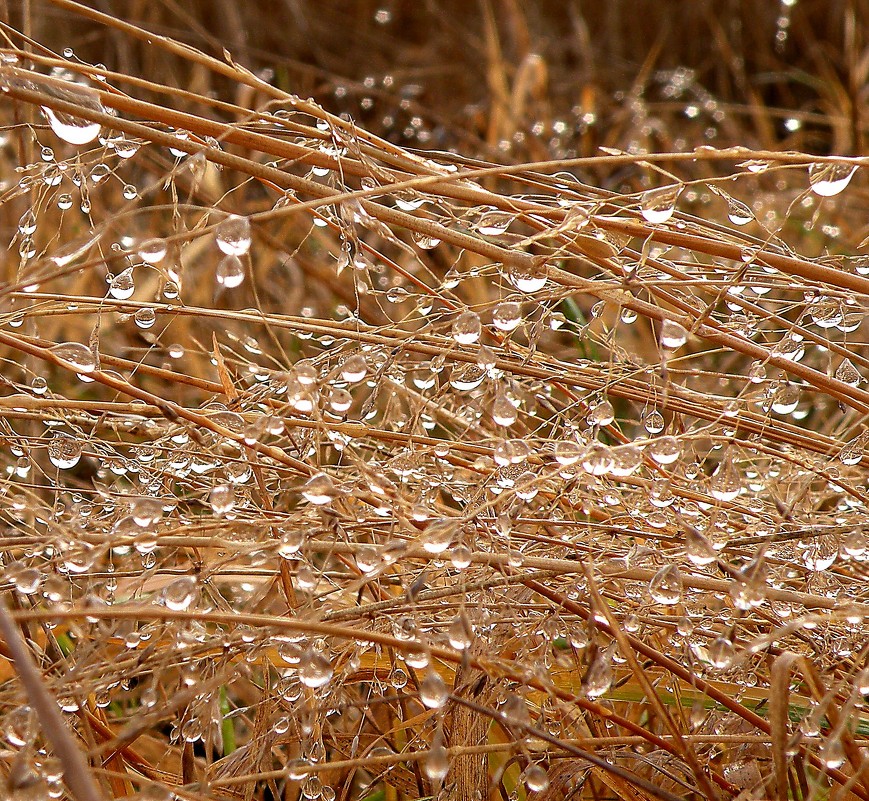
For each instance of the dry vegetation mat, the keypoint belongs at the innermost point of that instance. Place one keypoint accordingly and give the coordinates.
(340, 467)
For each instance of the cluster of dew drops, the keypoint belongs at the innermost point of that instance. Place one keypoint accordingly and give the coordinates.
(426, 469)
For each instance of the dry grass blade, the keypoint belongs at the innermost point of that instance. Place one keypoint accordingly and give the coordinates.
(76, 771)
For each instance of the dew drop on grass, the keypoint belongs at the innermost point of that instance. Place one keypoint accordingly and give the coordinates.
(152, 251)
(467, 328)
(145, 318)
(221, 499)
(432, 690)
(64, 451)
(315, 670)
(526, 280)
(602, 414)
(786, 398)
(726, 482)
(673, 335)
(828, 179)
(493, 223)
(653, 422)
(354, 369)
(507, 316)
(437, 764)
(122, 285)
(852, 451)
(665, 450)
(180, 594)
(721, 653)
(567, 452)
(230, 272)
(738, 212)
(319, 490)
(599, 677)
(848, 373)
(536, 778)
(504, 413)
(438, 535)
(658, 205)
(74, 130)
(75, 356)
(666, 586)
(233, 235)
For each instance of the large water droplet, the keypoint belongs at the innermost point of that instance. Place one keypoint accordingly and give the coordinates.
(828, 179)
(230, 272)
(319, 489)
(76, 356)
(64, 451)
(180, 594)
(123, 286)
(673, 335)
(432, 690)
(848, 373)
(599, 677)
(507, 315)
(233, 235)
(315, 670)
(525, 279)
(71, 129)
(467, 328)
(726, 483)
(666, 586)
(658, 205)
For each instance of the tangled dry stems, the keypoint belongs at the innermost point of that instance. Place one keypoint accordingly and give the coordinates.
(335, 469)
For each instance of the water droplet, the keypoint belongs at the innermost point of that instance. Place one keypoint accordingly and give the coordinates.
(536, 778)
(438, 534)
(437, 764)
(786, 398)
(848, 373)
(72, 129)
(76, 356)
(64, 451)
(507, 315)
(230, 272)
(233, 235)
(658, 205)
(738, 212)
(653, 422)
(726, 482)
(673, 335)
(319, 490)
(666, 586)
(598, 459)
(602, 414)
(152, 251)
(122, 285)
(432, 690)
(721, 653)
(599, 677)
(467, 328)
(222, 499)
(504, 413)
(354, 369)
(526, 280)
(180, 594)
(665, 450)
(315, 670)
(493, 223)
(145, 318)
(827, 178)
